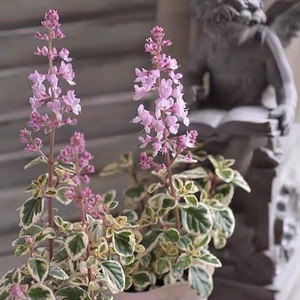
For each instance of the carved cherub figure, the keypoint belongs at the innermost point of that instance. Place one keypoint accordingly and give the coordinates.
(241, 49)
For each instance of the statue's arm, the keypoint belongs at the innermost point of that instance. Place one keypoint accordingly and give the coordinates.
(279, 75)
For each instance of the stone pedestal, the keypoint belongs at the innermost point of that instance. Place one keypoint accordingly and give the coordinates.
(261, 260)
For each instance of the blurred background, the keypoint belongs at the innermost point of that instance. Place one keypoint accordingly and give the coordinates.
(106, 40)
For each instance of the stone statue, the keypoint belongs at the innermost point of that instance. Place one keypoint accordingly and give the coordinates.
(242, 51)
(239, 61)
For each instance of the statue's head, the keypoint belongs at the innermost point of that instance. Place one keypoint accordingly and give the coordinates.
(220, 11)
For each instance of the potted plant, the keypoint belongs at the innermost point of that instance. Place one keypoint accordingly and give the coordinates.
(66, 260)
(181, 210)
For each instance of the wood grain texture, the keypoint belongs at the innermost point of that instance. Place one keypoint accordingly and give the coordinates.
(89, 38)
(20, 13)
(94, 76)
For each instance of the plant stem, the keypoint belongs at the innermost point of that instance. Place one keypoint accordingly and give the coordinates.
(50, 158)
(173, 194)
(83, 221)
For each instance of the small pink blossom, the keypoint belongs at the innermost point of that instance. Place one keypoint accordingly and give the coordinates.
(145, 141)
(51, 19)
(172, 124)
(64, 54)
(55, 107)
(71, 101)
(66, 72)
(145, 161)
(165, 89)
(16, 291)
(144, 117)
(37, 78)
(140, 92)
(35, 103)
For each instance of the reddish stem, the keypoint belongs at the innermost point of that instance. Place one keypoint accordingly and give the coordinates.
(50, 158)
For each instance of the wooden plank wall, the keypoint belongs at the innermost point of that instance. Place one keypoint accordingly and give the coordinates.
(106, 40)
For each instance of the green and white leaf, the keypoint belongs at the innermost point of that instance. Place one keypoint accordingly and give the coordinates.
(200, 281)
(141, 279)
(162, 266)
(151, 239)
(153, 187)
(76, 244)
(201, 240)
(216, 160)
(39, 291)
(4, 294)
(61, 197)
(58, 273)
(216, 204)
(238, 180)
(135, 193)
(224, 193)
(224, 221)
(171, 235)
(183, 262)
(71, 293)
(31, 211)
(35, 161)
(21, 250)
(197, 220)
(196, 173)
(114, 275)
(155, 201)
(219, 241)
(38, 268)
(209, 259)
(184, 241)
(126, 159)
(7, 278)
(110, 169)
(109, 196)
(60, 256)
(225, 174)
(124, 242)
(191, 200)
(131, 216)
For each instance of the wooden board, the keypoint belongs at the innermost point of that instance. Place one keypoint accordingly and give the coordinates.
(89, 38)
(94, 76)
(20, 13)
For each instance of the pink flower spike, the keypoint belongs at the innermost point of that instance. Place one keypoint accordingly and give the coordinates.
(51, 19)
(157, 32)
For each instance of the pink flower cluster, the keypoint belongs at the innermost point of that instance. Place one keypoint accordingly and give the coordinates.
(161, 125)
(45, 89)
(77, 154)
